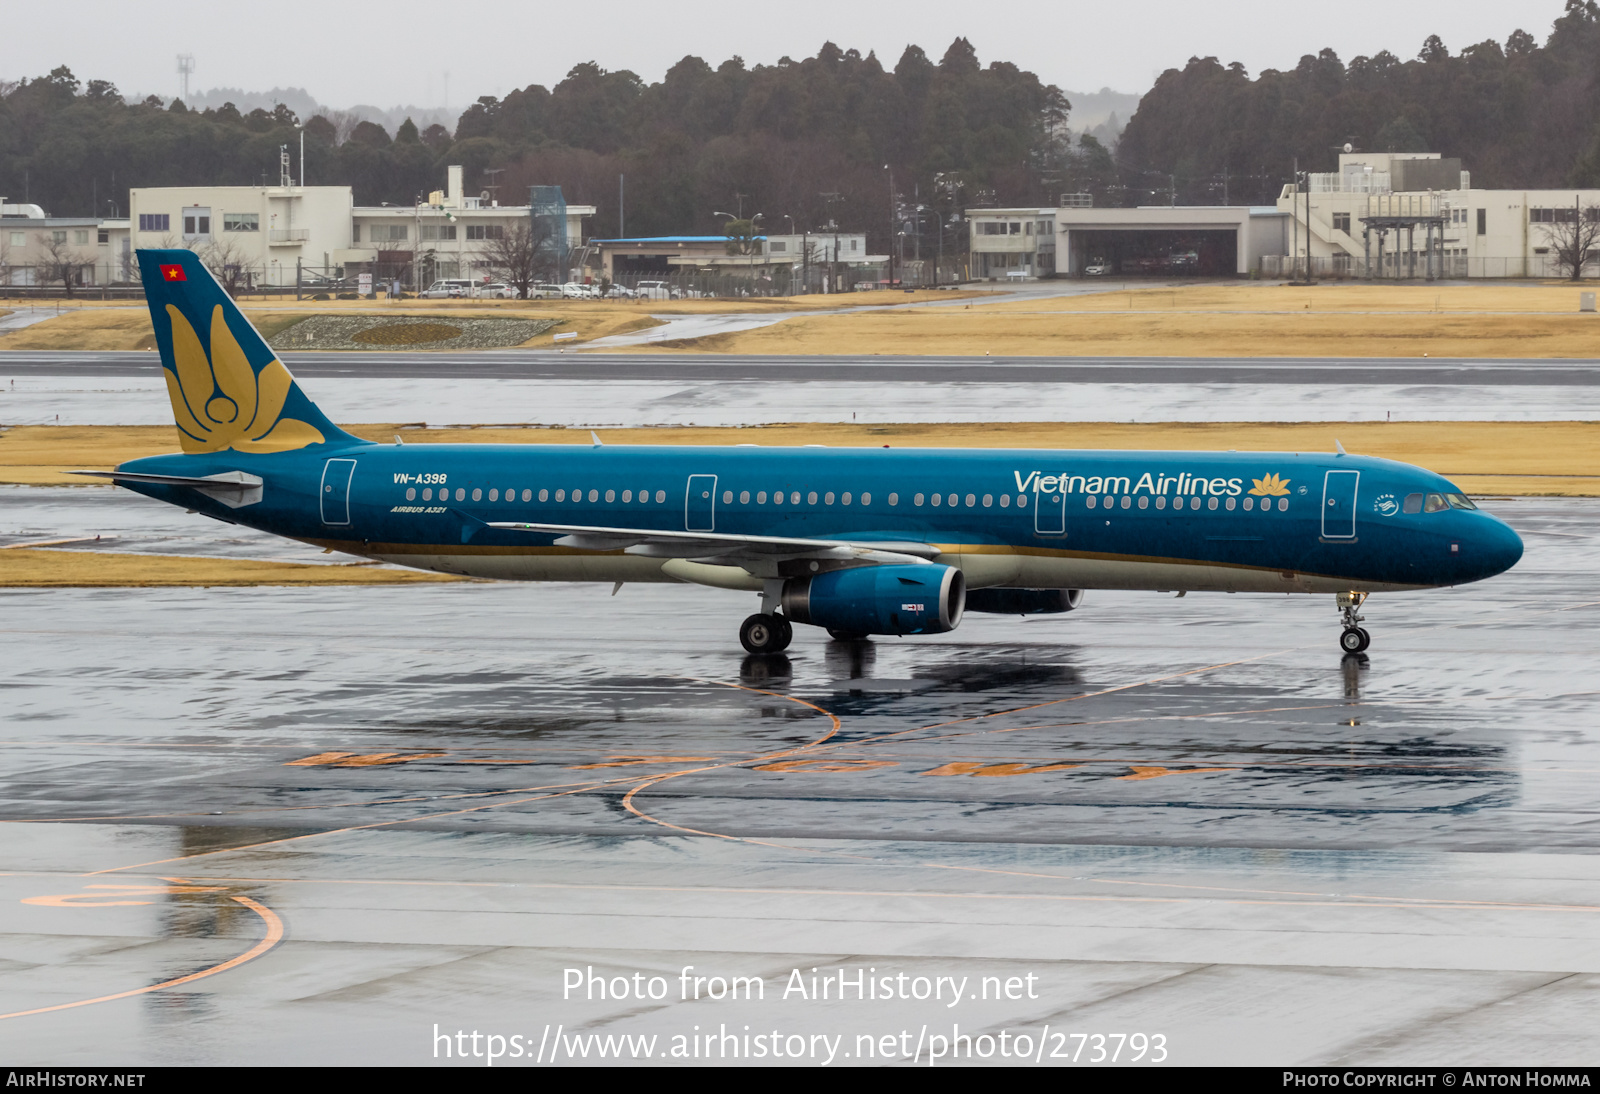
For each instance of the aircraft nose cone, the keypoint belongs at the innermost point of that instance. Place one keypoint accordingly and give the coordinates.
(1499, 547)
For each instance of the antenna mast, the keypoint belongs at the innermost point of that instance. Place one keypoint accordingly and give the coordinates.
(185, 70)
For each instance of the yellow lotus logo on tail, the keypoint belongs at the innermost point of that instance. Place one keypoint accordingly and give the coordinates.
(222, 402)
(1271, 486)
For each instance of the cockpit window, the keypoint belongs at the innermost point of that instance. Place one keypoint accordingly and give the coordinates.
(1435, 503)
(1413, 503)
(1460, 501)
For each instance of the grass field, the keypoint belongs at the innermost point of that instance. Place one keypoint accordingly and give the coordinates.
(1524, 458)
(27, 568)
(92, 325)
(1332, 320)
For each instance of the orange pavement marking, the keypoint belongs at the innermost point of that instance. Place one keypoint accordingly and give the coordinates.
(631, 761)
(999, 770)
(273, 937)
(353, 759)
(101, 899)
(825, 765)
(1157, 772)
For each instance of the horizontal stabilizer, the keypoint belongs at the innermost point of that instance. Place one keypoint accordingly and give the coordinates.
(232, 488)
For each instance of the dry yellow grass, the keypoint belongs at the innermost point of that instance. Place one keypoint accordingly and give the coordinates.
(1331, 320)
(1558, 458)
(94, 325)
(24, 568)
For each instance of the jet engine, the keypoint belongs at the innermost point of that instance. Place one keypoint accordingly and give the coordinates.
(1023, 601)
(864, 600)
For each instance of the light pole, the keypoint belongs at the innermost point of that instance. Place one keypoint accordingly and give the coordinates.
(302, 127)
(893, 216)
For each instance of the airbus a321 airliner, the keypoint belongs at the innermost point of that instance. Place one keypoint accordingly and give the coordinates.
(858, 541)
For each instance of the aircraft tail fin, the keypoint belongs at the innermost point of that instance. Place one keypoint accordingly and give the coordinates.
(227, 386)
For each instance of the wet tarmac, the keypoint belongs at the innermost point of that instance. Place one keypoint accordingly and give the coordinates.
(325, 825)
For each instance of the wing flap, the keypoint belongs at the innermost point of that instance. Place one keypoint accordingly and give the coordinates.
(661, 543)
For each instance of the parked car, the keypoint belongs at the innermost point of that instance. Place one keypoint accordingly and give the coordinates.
(447, 289)
(572, 290)
(1098, 270)
(621, 292)
(544, 290)
(658, 290)
(494, 290)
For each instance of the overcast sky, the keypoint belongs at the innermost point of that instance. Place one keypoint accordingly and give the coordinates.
(398, 52)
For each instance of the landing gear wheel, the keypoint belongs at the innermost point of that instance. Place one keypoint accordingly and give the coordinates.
(1354, 640)
(845, 636)
(765, 633)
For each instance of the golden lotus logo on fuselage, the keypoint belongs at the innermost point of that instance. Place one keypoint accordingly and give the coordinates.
(1270, 486)
(220, 402)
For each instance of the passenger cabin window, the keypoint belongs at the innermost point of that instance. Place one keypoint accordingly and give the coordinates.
(1435, 503)
(1412, 504)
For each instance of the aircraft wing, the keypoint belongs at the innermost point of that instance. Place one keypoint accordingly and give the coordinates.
(655, 543)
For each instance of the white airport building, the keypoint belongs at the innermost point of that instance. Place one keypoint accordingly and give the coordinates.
(38, 249)
(275, 235)
(1384, 215)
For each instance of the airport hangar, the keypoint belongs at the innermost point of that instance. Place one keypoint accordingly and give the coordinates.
(1207, 240)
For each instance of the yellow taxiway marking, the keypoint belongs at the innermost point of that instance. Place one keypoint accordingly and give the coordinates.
(836, 766)
(998, 770)
(634, 761)
(107, 897)
(353, 759)
(273, 936)
(1159, 772)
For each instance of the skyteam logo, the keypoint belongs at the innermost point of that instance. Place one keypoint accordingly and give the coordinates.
(1385, 505)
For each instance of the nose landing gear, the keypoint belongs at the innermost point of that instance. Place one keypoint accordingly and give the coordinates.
(1353, 639)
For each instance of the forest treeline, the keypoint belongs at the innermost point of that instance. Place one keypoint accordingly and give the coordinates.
(815, 141)
(1518, 114)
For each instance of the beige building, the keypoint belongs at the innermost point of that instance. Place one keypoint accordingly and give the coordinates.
(35, 249)
(267, 232)
(1012, 244)
(287, 234)
(1415, 214)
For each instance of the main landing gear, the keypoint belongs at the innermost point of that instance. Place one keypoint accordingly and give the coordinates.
(766, 633)
(1353, 639)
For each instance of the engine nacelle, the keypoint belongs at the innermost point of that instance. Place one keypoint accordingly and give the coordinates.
(1023, 601)
(879, 599)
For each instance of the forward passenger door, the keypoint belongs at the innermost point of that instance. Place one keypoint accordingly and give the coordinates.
(1339, 504)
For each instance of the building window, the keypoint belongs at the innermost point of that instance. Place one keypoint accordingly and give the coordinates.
(397, 232)
(779, 247)
(58, 237)
(355, 233)
(196, 223)
(432, 232)
(1483, 222)
(155, 222)
(102, 236)
(81, 237)
(241, 222)
(486, 231)
(1341, 222)
(19, 239)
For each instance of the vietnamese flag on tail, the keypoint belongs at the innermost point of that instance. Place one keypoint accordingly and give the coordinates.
(173, 273)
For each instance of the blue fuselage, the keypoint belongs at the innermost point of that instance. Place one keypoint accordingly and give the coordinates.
(1246, 521)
